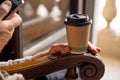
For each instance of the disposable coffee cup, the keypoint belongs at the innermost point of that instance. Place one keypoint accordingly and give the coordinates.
(78, 30)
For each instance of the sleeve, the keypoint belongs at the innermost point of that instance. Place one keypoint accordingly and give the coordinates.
(5, 76)
(16, 61)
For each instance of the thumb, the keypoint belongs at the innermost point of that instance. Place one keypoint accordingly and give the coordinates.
(5, 8)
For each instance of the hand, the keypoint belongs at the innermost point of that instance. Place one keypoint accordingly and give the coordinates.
(93, 49)
(60, 47)
(8, 26)
(63, 48)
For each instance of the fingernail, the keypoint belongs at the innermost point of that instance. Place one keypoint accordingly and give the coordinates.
(6, 4)
(67, 49)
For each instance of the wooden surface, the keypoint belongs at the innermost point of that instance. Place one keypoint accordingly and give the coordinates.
(49, 64)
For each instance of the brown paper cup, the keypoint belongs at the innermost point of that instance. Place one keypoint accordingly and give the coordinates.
(78, 38)
(78, 35)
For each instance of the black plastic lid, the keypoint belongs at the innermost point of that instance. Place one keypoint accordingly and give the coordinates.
(78, 20)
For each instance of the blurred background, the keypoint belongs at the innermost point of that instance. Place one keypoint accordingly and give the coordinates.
(44, 25)
(108, 36)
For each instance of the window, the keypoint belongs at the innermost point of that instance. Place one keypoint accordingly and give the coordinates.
(41, 18)
(45, 25)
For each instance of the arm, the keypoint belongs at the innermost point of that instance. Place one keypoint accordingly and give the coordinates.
(62, 48)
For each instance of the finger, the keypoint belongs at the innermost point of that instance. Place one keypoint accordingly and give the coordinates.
(66, 49)
(98, 49)
(92, 48)
(62, 47)
(55, 49)
(59, 48)
(14, 21)
(5, 8)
